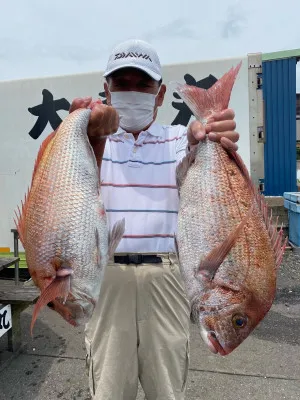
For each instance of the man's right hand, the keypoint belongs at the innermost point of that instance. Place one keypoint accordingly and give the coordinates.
(104, 120)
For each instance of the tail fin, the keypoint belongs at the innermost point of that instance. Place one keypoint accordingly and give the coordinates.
(204, 102)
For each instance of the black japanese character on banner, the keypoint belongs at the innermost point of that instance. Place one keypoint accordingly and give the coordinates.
(47, 112)
(103, 97)
(184, 113)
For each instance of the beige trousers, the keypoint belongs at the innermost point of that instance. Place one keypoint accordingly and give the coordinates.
(139, 332)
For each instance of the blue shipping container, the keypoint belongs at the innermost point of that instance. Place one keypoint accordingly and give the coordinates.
(279, 94)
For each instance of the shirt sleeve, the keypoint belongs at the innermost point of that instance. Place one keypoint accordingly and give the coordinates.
(181, 143)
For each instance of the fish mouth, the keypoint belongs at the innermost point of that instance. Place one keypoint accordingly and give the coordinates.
(76, 312)
(210, 339)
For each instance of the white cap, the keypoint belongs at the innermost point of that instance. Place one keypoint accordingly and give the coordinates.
(135, 54)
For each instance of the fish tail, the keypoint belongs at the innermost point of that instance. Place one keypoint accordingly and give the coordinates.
(59, 287)
(204, 102)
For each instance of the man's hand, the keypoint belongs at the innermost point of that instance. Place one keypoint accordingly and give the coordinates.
(220, 127)
(104, 120)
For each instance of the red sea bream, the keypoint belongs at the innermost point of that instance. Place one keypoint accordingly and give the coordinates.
(63, 226)
(229, 251)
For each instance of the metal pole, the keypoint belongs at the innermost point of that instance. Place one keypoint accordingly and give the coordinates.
(16, 254)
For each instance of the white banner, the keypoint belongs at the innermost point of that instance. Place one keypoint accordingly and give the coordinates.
(5, 319)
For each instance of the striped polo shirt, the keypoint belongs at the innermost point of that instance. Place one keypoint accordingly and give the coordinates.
(139, 184)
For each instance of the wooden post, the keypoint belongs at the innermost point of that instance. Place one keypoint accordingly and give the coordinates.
(14, 335)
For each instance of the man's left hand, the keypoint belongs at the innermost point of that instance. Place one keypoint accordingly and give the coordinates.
(220, 128)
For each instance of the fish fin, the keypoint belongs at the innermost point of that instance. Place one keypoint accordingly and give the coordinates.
(210, 264)
(204, 102)
(276, 236)
(115, 237)
(21, 215)
(29, 283)
(41, 152)
(59, 287)
(279, 248)
(20, 218)
(183, 167)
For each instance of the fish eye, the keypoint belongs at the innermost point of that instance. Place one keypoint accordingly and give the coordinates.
(239, 321)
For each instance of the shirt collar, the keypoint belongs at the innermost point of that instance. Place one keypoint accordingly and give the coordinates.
(154, 130)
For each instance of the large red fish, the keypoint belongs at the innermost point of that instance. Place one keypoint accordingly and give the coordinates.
(63, 225)
(228, 249)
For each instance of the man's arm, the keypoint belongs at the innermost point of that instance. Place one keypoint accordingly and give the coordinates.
(104, 120)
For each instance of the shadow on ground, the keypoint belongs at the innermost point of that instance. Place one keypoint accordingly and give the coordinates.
(282, 323)
(56, 350)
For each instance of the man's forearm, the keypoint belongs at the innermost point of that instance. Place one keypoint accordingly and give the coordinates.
(98, 145)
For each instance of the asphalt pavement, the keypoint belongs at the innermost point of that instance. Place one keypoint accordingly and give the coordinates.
(265, 367)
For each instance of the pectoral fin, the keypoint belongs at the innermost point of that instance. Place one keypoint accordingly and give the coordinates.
(210, 264)
(115, 237)
(58, 288)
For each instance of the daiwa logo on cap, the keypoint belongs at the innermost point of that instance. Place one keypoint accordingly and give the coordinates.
(131, 54)
(135, 53)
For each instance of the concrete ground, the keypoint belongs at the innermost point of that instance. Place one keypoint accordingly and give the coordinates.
(265, 367)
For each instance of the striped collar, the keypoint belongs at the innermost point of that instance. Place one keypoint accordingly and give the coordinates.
(155, 129)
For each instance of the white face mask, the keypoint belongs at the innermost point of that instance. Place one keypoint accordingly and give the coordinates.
(135, 109)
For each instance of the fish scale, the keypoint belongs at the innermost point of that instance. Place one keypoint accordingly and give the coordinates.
(63, 225)
(228, 250)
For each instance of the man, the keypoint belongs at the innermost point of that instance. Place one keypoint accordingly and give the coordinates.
(140, 326)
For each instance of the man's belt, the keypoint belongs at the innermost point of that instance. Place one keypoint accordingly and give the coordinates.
(137, 259)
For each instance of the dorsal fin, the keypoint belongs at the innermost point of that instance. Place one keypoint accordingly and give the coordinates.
(275, 236)
(41, 152)
(20, 217)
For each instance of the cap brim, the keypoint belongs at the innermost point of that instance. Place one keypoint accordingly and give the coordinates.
(153, 75)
